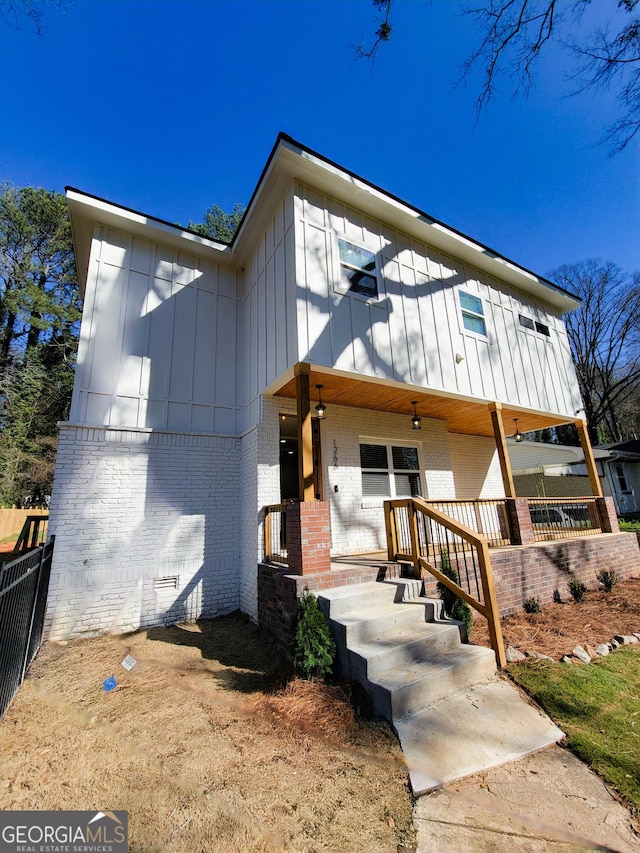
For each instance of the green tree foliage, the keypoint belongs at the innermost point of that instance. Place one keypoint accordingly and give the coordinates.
(39, 323)
(514, 34)
(219, 225)
(314, 649)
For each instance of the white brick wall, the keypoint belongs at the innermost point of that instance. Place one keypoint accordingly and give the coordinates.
(131, 508)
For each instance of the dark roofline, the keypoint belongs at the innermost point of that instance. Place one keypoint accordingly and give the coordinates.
(284, 137)
(148, 216)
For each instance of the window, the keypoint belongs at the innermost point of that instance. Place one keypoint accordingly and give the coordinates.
(357, 269)
(389, 471)
(622, 480)
(528, 323)
(472, 313)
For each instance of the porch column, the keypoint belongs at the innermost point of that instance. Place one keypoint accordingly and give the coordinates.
(501, 445)
(305, 440)
(592, 471)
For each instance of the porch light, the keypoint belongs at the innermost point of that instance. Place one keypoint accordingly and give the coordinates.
(321, 409)
(416, 420)
(517, 436)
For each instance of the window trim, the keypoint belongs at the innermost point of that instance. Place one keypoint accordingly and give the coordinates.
(347, 291)
(468, 312)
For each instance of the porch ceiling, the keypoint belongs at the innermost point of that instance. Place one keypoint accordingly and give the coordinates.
(463, 415)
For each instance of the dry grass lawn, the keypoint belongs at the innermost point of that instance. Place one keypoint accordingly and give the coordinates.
(201, 748)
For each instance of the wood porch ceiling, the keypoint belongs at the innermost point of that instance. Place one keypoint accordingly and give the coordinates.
(468, 417)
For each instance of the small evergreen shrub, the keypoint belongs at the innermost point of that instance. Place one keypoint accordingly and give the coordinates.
(557, 598)
(454, 607)
(314, 650)
(577, 589)
(531, 605)
(607, 578)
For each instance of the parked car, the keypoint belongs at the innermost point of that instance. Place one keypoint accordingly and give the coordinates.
(570, 515)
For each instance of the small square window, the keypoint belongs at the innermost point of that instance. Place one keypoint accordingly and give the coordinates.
(527, 322)
(357, 269)
(544, 330)
(472, 313)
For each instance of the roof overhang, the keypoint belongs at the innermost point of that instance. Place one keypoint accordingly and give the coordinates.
(465, 415)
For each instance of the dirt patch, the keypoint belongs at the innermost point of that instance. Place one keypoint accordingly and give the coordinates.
(203, 747)
(559, 628)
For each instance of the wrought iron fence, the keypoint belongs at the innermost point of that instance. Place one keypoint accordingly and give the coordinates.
(564, 518)
(23, 597)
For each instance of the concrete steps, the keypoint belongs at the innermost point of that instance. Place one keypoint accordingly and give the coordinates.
(452, 713)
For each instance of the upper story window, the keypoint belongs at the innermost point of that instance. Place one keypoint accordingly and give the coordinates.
(528, 323)
(389, 471)
(472, 313)
(357, 269)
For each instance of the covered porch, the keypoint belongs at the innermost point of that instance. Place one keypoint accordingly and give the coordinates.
(420, 533)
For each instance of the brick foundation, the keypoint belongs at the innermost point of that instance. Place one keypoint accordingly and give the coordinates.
(536, 571)
(308, 537)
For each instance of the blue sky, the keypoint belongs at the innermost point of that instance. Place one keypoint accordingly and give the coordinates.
(170, 106)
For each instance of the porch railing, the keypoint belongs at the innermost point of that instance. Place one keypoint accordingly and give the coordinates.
(33, 534)
(488, 517)
(419, 533)
(275, 534)
(563, 518)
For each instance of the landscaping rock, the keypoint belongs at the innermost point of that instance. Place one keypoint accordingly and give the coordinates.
(566, 659)
(580, 653)
(539, 656)
(513, 655)
(602, 649)
(625, 640)
(613, 644)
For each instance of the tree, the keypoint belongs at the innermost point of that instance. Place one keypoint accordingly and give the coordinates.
(604, 339)
(219, 225)
(514, 34)
(13, 12)
(39, 324)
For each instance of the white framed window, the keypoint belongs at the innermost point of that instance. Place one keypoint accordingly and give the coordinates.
(472, 313)
(389, 471)
(358, 271)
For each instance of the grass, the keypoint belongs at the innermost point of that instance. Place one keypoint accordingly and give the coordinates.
(598, 706)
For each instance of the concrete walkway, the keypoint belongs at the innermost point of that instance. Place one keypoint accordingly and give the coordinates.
(548, 802)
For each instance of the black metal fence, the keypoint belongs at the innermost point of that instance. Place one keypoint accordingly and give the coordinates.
(23, 599)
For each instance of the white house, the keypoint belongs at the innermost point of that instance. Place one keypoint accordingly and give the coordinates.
(191, 407)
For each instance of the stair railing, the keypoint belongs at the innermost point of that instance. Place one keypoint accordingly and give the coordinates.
(32, 535)
(419, 534)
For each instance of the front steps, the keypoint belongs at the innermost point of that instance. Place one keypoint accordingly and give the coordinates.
(452, 713)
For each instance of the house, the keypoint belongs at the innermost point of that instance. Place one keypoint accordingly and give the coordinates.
(623, 472)
(202, 367)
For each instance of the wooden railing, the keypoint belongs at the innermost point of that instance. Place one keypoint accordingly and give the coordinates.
(422, 535)
(275, 534)
(32, 535)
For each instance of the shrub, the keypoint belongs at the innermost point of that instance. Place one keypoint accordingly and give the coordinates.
(314, 649)
(577, 589)
(607, 578)
(531, 605)
(454, 607)
(557, 598)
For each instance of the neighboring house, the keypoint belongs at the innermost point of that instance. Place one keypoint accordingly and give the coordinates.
(545, 470)
(197, 361)
(555, 470)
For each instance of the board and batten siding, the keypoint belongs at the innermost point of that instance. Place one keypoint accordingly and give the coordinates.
(268, 324)
(413, 331)
(159, 342)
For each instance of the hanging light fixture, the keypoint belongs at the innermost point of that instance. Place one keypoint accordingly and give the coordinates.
(517, 436)
(321, 409)
(416, 420)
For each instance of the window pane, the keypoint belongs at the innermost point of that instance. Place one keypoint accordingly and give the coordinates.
(474, 324)
(527, 322)
(357, 257)
(358, 282)
(471, 303)
(375, 484)
(373, 456)
(407, 485)
(544, 330)
(405, 458)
